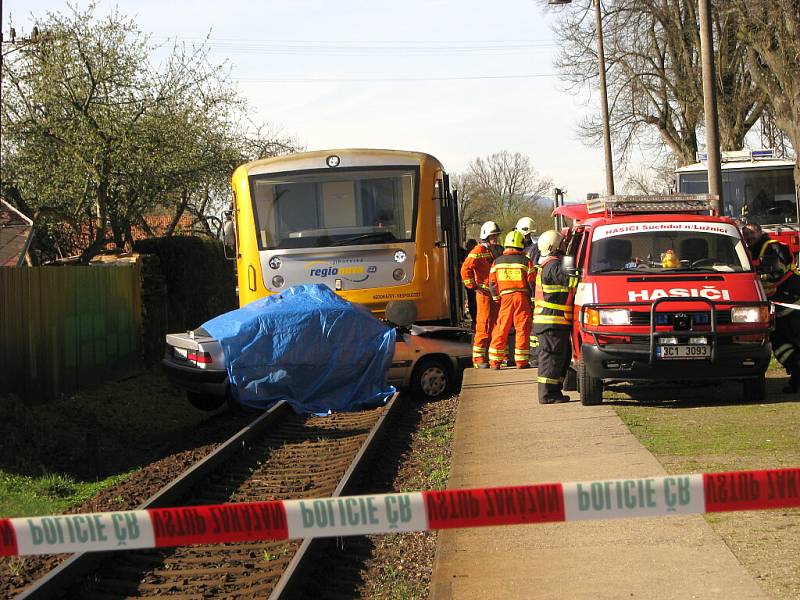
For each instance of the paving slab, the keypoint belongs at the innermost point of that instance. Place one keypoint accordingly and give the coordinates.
(504, 437)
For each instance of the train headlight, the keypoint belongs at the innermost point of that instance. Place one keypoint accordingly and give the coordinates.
(275, 262)
(399, 256)
(277, 281)
(398, 274)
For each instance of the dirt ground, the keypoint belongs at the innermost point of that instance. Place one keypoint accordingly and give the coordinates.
(17, 573)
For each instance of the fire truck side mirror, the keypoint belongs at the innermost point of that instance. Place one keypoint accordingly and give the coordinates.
(568, 264)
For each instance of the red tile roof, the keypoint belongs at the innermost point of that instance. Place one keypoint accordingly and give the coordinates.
(16, 231)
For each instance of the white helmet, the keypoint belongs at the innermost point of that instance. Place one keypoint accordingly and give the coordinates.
(489, 228)
(526, 226)
(549, 242)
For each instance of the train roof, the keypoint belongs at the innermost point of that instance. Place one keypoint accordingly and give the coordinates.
(345, 157)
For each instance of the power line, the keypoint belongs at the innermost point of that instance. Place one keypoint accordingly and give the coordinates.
(351, 41)
(384, 79)
(382, 48)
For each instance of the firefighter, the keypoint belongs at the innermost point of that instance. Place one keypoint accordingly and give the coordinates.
(527, 228)
(783, 284)
(760, 244)
(552, 318)
(511, 282)
(475, 274)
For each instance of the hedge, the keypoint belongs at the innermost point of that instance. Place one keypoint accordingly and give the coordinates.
(200, 281)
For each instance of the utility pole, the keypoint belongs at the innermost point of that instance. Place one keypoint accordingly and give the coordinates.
(710, 105)
(601, 72)
(601, 60)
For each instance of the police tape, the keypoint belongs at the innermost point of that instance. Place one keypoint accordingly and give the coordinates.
(785, 304)
(402, 512)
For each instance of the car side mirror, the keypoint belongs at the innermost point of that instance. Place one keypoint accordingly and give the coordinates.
(229, 236)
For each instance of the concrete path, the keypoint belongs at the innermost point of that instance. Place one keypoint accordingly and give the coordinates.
(504, 437)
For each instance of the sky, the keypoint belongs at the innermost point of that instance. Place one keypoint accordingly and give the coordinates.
(455, 78)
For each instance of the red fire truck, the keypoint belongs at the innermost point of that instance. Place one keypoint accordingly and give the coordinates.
(667, 292)
(756, 188)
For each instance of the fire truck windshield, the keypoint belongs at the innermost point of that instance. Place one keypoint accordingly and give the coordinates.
(652, 251)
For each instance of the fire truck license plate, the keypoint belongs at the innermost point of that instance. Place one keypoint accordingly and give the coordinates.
(684, 352)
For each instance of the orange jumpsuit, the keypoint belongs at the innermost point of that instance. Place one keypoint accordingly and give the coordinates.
(511, 280)
(475, 274)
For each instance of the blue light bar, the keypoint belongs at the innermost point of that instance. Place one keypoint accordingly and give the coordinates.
(762, 154)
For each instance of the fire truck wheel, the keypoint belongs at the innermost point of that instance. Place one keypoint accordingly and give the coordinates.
(205, 402)
(591, 388)
(755, 390)
(570, 380)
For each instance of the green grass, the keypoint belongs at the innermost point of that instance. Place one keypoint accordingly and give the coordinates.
(434, 459)
(57, 454)
(22, 495)
(396, 584)
(718, 437)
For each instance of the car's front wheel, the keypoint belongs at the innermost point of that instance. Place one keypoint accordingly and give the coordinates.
(205, 401)
(432, 379)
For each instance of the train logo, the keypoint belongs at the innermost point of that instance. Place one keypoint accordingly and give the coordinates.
(354, 273)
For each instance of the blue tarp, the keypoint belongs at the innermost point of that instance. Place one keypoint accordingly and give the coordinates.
(309, 347)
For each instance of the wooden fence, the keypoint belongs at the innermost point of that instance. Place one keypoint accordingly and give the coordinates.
(64, 329)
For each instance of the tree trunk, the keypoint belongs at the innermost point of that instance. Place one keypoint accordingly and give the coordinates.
(176, 218)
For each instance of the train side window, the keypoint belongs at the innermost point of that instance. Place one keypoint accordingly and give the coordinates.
(438, 201)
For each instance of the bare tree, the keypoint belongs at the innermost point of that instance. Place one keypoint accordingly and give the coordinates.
(473, 209)
(771, 29)
(509, 185)
(658, 178)
(654, 77)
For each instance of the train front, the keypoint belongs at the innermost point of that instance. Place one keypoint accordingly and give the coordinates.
(348, 219)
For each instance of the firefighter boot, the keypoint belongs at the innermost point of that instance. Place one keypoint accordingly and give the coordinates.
(550, 393)
(792, 367)
(793, 385)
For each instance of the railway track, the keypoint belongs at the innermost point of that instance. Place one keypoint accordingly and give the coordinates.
(280, 455)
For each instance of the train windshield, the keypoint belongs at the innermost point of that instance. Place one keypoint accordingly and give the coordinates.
(763, 196)
(344, 208)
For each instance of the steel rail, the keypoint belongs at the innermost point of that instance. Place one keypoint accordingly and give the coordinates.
(304, 560)
(59, 579)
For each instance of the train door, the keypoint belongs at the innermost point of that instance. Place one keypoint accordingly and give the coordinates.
(448, 237)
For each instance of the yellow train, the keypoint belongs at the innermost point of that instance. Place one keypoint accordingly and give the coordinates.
(373, 225)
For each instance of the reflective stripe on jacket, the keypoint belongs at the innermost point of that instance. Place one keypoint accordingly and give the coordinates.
(787, 290)
(766, 245)
(554, 296)
(511, 272)
(476, 267)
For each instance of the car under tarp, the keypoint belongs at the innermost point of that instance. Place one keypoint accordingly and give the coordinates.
(309, 347)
